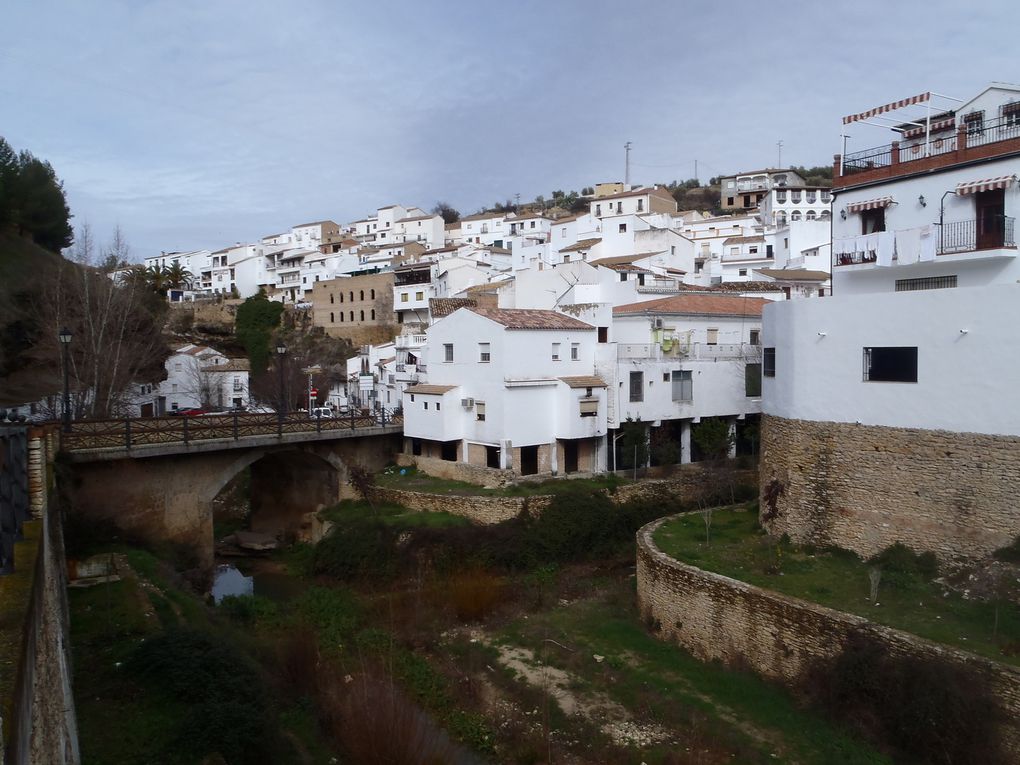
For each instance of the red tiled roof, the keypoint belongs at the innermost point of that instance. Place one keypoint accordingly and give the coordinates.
(433, 390)
(705, 305)
(584, 244)
(526, 318)
(584, 381)
(440, 307)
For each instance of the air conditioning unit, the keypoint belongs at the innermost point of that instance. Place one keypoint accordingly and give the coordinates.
(467, 403)
(657, 323)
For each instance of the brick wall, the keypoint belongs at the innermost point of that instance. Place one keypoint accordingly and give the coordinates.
(864, 487)
(718, 618)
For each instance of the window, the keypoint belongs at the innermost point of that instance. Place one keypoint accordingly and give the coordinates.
(893, 364)
(640, 204)
(437, 403)
(734, 250)
(598, 209)
(361, 294)
(873, 220)
(755, 337)
(447, 352)
(712, 336)
(426, 404)
(623, 228)
(1011, 115)
(768, 362)
(331, 319)
(575, 351)
(483, 353)
(350, 296)
(926, 283)
(419, 295)
(555, 351)
(331, 298)
(362, 315)
(752, 380)
(637, 386)
(795, 215)
(683, 385)
(810, 215)
(603, 334)
(589, 406)
(752, 250)
(974, 122)
(404, 297)
(373, 314)
(373, 294)
(742, 272)
(729, 201)
(480, 411)
(341, 297)
(352, 316)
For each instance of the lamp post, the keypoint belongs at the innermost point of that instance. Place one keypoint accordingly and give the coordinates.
(281, 354)
(64, 336)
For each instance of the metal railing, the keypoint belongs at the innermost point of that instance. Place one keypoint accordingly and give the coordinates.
(992, 131)
(984, 234)
(689, 351)
(128, 433)
(869, 159)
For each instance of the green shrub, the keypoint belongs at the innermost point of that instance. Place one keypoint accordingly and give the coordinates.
(902, 567)
(1010, 553)
(928, 710)
(360, 548)
(247, 609)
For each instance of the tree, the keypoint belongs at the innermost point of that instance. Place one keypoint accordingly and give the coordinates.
(42, 207)
(449, 213)
(256, 319)
(715, 439)
(177, 276)
(116, 329)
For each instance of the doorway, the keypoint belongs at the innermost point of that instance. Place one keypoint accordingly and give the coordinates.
(570, 456)
(991, 217)
(529, 460)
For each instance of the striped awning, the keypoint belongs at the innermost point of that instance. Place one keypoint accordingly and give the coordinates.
(936, 127)
(988, 184)
(918, 99)
(871, 204)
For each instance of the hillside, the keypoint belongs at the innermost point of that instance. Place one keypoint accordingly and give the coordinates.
(25, 268)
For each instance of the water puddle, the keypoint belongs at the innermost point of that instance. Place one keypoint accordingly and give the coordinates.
(229, 580)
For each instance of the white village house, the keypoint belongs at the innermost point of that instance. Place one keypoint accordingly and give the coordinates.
(201, 377)
(898, 392)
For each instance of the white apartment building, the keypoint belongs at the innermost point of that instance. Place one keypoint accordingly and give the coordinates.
(745, 191)
(686, 357)
(782, 205)
(898, 392)
(484, 228)
(510, 388)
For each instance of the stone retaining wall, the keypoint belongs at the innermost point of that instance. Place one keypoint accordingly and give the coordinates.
(865, 487)
(718, 618)
(485, 510)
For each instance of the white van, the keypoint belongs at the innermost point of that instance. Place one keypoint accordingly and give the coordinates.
(323, 412)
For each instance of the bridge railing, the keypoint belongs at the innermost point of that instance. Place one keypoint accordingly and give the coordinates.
(127, 433)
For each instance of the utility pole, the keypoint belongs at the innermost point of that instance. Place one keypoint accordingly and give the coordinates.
(626, 170)
(779, 144)
(517, 200)
(698, 180)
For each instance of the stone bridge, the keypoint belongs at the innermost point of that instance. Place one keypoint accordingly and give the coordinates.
(163, 490)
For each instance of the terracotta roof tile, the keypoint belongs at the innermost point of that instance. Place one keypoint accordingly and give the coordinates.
(583, 244)
(584, 381)
(440, 307)
(430, 390)
(794, 274)
(743, 240)
(526, 318)
(232, 365)
(696, 304)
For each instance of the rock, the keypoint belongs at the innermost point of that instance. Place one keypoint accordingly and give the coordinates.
(598, 659)
(253, 540)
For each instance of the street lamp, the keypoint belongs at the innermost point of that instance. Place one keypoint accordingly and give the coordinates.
(281, 353)
(64, 337)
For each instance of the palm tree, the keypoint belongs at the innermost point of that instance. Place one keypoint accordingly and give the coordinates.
(177, 277)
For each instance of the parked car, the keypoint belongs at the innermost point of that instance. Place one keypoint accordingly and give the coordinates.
(194, 412)
(322, 412)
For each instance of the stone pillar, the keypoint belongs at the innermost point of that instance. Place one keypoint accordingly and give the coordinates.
(38, 462)
(732, 451)
(685, 442)
(465, 455)
(554, 457)
(894, 153)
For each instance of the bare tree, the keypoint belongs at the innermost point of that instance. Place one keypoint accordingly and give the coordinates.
(116, 330)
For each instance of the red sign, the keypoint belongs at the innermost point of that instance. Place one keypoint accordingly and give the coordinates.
(314, 392)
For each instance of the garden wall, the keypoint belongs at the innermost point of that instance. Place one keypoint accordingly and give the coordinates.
(718, 618)
(865, 487)
(484, 510)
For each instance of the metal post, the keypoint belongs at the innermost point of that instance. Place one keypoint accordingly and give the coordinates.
(318, 422)
(235, 424)
(65, 341)
(127, 433)
(185, 428)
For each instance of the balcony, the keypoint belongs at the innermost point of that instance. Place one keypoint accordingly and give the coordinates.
(968, 143)
(992, 233)
(411, 341)
(677, 350)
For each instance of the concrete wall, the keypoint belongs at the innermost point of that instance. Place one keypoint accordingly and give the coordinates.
(864, 487)
(718, 618)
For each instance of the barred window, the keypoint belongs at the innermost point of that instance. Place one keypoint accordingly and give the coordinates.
(926, 283)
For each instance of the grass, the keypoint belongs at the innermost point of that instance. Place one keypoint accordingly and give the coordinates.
(412, 480)
(704, 703)
(840, 580)
(393, 515)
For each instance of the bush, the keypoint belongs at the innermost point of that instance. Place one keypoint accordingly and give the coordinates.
(1010, 553)
(247, 609)
(359, 548)
(928, 710)
(902, 567)
(474, 593)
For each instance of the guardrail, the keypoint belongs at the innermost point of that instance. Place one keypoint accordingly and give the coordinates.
(128, 433)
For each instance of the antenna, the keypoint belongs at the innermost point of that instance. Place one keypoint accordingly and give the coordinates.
(779, 145)
(626, 170)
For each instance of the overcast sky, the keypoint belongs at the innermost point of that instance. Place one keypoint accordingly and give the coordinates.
(198, 123)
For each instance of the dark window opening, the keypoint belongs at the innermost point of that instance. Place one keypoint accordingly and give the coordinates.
(492, 456)
(768, 362)
(894, 364)
(449, 451)
(752, 380)
(529, 460)
(637, 386)
(603, 334)
(873, 221)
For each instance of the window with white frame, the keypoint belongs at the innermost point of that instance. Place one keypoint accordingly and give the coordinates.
(555, 351)
(483, 353)
(447, 352)
(683, 385)
(712, 336)
(480, 411)
(575, 351)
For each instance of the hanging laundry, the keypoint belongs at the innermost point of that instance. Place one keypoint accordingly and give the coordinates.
(908, 245)
(928, 242)
(886, 247)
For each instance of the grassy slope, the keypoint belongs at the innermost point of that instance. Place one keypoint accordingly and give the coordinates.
(839, 579)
